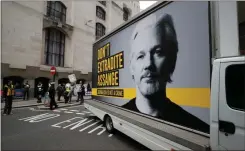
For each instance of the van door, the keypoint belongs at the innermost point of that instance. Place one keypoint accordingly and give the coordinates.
(232, 106)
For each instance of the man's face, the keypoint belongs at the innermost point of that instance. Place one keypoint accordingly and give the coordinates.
(148, 63)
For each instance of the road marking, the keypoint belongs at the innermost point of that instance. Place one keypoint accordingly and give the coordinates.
(79, 123)
(63, 109)
(68, 112)
(86, 112)
(89, 126)
(75, 106)
(80, 113)
(98, 127)
(31, 108)
(56, 110)
(74, 110)
(69, 120)
(39, 118)
(38, 110)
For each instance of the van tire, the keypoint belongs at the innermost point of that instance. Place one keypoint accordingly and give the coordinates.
(109, 124)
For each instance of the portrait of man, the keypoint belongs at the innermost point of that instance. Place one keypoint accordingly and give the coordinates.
(153, 56)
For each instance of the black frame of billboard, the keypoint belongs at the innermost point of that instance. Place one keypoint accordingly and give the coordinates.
(133, 20)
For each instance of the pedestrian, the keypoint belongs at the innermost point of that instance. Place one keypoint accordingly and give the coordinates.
(59, 91)
(88, 88)
(67, 92)
(5, 90)
(52, 96)
(9, 93)
(79, 91)
(71, 93)
(39, 92)
(26, 90)
(82, 93)
(46, 101)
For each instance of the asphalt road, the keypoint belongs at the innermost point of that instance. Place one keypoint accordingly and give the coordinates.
(71, 128)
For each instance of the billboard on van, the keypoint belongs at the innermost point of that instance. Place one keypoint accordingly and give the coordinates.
(159, 65)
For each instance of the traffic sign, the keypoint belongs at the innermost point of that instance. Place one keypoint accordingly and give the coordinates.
(53, 70)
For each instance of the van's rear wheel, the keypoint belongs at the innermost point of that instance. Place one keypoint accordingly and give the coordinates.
(109, 124)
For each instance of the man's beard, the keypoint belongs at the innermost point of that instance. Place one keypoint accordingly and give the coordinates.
(148, 89)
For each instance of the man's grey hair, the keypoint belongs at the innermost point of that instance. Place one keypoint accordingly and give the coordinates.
(165, 31)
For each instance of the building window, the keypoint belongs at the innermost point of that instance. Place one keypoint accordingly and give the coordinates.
(235, 87)
(100, 12)
(125, 14)
(103, 2)
(54, 47)
(100, 30)
(56, 10)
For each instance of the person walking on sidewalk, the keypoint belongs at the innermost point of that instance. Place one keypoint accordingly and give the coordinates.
(39, 92)
(26, 90)
(52, 96)
(79, 91)
(67, 92)
(9, 90)
(82, 93)
(59, 91)
(72, 90)
(5, 90)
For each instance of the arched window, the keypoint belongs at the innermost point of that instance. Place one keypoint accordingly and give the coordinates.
(103, 2)
(100, 12)
(100, 30)
(56, 10)
(125, 14)
(54, 47)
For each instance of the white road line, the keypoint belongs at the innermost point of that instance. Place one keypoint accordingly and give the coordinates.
(89, 126)
(86, 112)
(63, 109)
(67, 112)
(56, 110)
(80, 113)
(75, 106)
(74, 110)
(98, 127)
(110, 135)
(91, 114)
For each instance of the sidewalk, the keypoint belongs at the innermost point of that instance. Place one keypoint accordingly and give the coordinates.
(33, 102)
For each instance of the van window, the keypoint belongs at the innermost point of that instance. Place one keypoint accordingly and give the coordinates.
(235, 83)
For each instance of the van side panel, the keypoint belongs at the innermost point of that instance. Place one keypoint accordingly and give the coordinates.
(189, 91)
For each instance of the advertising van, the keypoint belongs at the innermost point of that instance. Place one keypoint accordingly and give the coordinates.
(156, 78)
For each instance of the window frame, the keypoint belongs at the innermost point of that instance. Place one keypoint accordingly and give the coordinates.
(100, 13)
(52, 10)
(100, 30)
(50, 42)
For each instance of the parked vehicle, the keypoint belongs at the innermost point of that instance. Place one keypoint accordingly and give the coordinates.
(172, 77)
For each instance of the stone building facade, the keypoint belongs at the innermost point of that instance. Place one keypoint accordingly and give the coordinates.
(39, 34)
